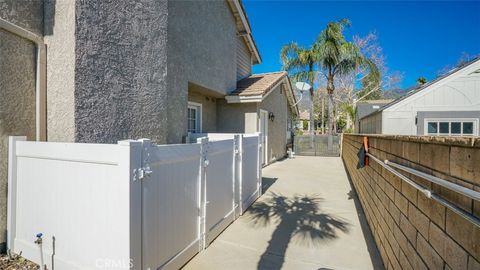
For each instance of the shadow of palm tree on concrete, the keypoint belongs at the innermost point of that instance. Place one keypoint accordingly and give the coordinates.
(299, 219)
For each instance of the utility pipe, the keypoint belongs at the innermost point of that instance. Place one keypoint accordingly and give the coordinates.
(40, 76)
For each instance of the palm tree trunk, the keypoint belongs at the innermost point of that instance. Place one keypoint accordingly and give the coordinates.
(331, 117)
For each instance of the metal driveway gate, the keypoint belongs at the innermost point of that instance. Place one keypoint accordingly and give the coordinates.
(317, 145)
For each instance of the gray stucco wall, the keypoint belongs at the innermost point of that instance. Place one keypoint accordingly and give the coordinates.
(60, 41)
(17, 86)
(276, 102)
(109, 77)
(120, 71)
(236, 118)
(199, 54)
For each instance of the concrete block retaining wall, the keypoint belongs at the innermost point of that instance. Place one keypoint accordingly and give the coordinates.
(411, 230)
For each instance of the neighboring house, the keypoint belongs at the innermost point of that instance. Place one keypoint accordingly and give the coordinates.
(449, 105)
(104, 71)
(261, 103)
(367, 107)
(304, 117)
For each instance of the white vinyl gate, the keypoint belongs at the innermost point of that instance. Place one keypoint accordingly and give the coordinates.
(133, 205)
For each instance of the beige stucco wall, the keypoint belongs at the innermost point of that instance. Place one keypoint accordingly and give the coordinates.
(60, 41)
(243, 117)
(209, 109)
(276, 102)
(236, 117)
(17, 86)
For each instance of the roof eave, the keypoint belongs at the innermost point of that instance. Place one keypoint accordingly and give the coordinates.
(238, 6)
(244, 99)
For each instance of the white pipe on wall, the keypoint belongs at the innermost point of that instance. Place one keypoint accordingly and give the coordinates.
(40, 76)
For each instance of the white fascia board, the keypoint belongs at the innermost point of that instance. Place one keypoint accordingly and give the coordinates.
(459, 73)
(243, 17)
(243, 99)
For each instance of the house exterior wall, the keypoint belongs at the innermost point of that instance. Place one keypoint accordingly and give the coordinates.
(199, 55)
(59, 37)
(116, 81)
(120, 71)
(17, 86)
(458, 115)
(244, 59)
(236, 117)
(371, 124)
(276, 103)
(209, 110)
(461, 94)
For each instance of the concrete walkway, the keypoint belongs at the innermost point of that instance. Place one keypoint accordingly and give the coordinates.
(308, 218)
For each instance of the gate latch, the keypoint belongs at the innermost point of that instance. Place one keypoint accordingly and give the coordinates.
(141, 173)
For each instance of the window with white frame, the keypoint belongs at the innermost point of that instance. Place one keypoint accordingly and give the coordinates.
(194, 117)
(451, 127)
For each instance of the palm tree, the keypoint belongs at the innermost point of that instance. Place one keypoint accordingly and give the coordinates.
(337, 56)
(300, 63)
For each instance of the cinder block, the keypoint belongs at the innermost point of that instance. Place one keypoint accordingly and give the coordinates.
(434, 210)
(464, 163)
(473, 264)
(394, 212)
(414, 258)
(396, 148)
(411, 151)
(454, 197)
(389, 190)
(409, 192)
(401, 202)
(404, 264)
(428, 254)
(394, 244)
(464, 232)
(455, 256)
(418, 219)
(436, 238)
(435, 156)
(408, 229)
(401, 238)
(476, 204)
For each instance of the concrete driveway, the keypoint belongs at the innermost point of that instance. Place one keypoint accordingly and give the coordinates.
(308, 218)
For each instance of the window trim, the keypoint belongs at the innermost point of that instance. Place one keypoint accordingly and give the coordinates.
(199, 108)
(450, 120)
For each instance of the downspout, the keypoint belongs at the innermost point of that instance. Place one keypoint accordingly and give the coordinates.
(40, 76)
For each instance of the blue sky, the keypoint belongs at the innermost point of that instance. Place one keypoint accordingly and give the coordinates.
(418, 38)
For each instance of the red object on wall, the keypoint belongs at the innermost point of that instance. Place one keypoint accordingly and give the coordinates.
(365, 146)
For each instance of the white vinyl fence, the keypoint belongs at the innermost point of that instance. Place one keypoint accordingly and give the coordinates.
(133, 205)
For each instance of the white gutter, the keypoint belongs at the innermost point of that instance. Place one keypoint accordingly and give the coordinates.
(243, 17)
(40, 78)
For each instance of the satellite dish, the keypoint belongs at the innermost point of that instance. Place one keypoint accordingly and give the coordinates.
(302, 86)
